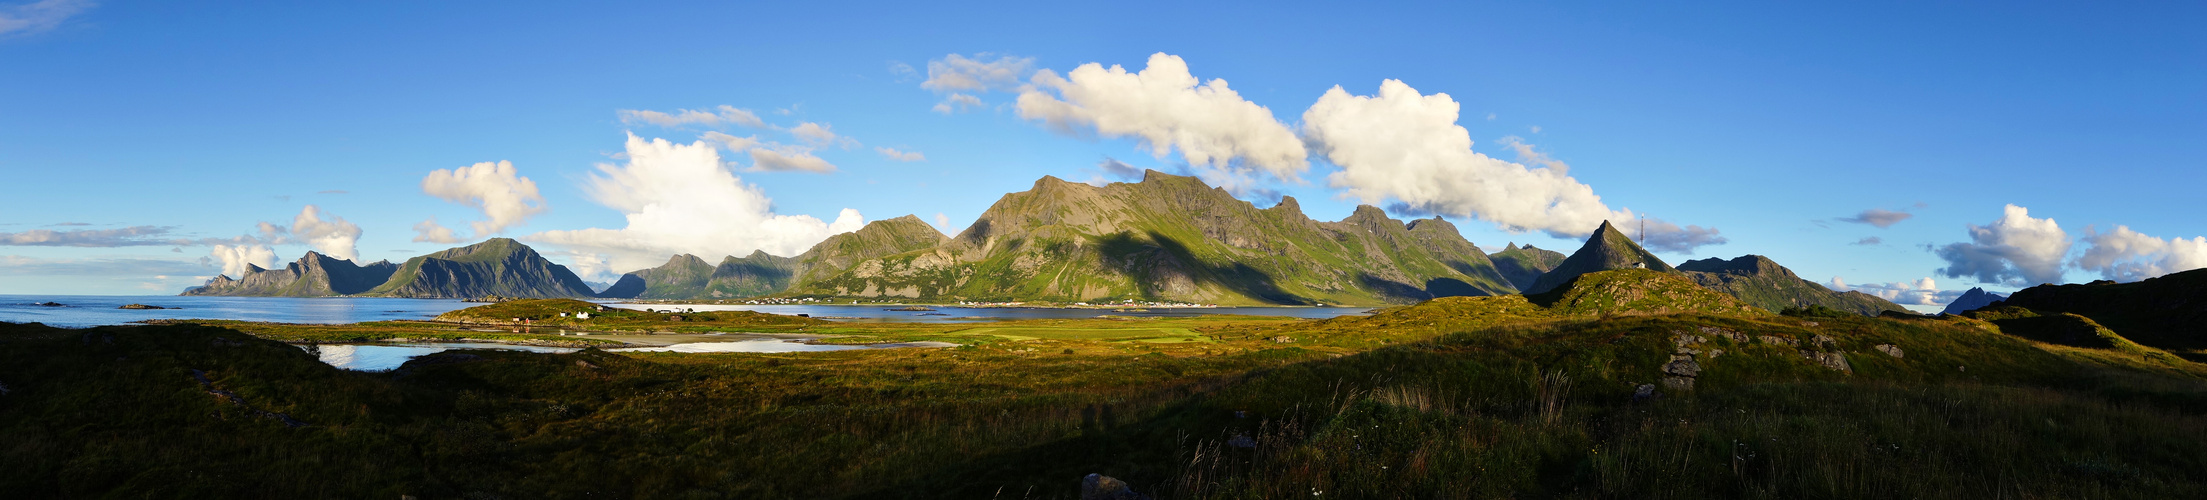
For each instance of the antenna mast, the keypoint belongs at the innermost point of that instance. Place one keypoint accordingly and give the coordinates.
(1643, 229)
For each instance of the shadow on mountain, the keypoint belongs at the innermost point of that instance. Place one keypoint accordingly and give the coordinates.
(1433, 289)
(1123, 248)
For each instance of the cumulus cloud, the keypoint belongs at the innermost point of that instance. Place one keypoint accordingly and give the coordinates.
(235, 258)
(958, 103)
(898, 155)
(334, 237)
(956, 73)
(91, 238)
(680, 198)
(1922, 292)
(1405, 146)
(2016, 250)
(1226, 139)
(1879, 217)
(39, 16)
(718, 116)
(432, 232)
(2127, 255)
(499, 190)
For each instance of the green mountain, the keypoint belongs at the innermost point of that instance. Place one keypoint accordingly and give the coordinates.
(313, 275)
(1760, 282)
(689, 277)
(1524, 265)
(1170, 238)
(1606, 249)
(498, 266)
(2165, 312)
(1637, 291)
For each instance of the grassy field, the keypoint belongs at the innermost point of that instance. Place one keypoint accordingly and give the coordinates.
(1453, 398)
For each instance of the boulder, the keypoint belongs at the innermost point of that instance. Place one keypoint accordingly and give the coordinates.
(1102, 487)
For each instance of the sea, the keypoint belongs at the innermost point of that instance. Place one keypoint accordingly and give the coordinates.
(80, 311)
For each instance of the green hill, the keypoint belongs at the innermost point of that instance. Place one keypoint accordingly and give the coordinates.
(1171, 238)
(1524, 265)
(313, 275)
(498, 266)
(1763, 283)
(689, 277)
(1637, 291)
(1606, 249)
(2165, 312)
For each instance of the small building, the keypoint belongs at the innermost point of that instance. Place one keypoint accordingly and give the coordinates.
(582, 315)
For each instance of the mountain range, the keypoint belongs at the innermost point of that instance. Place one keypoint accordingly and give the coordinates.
(1167, 238)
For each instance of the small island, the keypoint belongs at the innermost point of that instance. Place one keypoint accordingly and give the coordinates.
(142, 306)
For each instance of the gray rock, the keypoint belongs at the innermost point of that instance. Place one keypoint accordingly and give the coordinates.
(1678, 383)
(1683, 366)
(1102, 487)
(1888, 349)
(1767, 339)
(1833, 360)
(1644, 392)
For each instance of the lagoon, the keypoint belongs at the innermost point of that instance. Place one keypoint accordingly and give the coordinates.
(82, 311)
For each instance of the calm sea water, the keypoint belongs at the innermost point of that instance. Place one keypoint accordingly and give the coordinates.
(385, 357)
(95, 310)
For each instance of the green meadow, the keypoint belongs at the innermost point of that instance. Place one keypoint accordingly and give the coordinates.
(1452, 398)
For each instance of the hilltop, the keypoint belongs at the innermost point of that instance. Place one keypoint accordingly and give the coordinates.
(689, 277)
(2164, 312)
(1524, 265)
(1604, 250)
(1173, 238)
(1763, 283)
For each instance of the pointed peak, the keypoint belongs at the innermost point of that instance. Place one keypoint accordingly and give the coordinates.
(1152, 175)
(1288, 203)
(1511, 246)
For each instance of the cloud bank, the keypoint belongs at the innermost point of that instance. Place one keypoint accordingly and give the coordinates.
(2016, 250)
(2126, 255)
(899, 155)
(680, 198)
(91, 238)
(1405, 146)
(334, 237)
(1922, 292)
(1226, 139)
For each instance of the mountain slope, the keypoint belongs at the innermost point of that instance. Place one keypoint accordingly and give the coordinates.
(1606, 249)
(1172, 238)
(754, 275)
(498, 266)
(683, 276)
(313, 275)
(1763, 283)
(689, 277)
(1974, 299)
(1524, 265)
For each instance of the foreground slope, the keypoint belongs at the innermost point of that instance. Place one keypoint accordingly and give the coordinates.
(1172, 238)
(496, 267)
(313, 275)
(1763, 283)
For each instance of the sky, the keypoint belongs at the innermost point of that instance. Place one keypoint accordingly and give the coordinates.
(1907, 149)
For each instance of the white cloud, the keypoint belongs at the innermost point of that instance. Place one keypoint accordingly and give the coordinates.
(120, 237)
(680, 198)
(815, 133)
(958, 103)
(788, 158)
(2016, 250)
(1167, 108)
(1879, 217)
(732, 143)
(497, 189)
(432, 232)
(2126, 255)
(234, 258)
(334, 237)
(895, 154)
(17, 265)
(722, 115)
(955, 73)
(1404, 146)
(39, 16)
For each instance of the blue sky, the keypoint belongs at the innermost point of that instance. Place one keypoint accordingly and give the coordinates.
(1770, 124)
